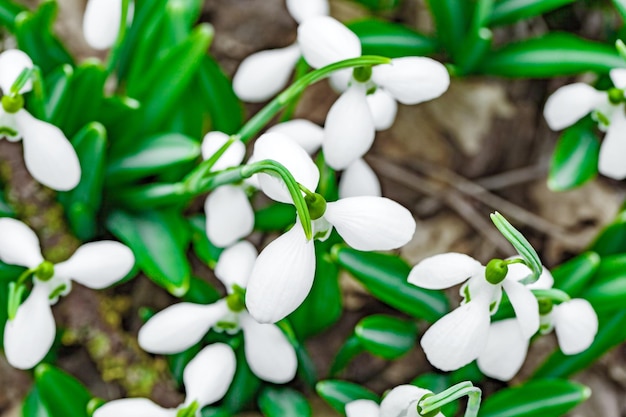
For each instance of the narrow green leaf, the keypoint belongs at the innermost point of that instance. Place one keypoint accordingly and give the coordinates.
(159, 241)
(607, 292)
(452, 19)
(385, 277)
(201, 292)
(348, 351)
(612, 239)
(8, 13)
(509, 11)
(552, 55)
(611, 332)
(386, 336)
(339, 393)
(575, 158)
(393, 40)
(283, 402)
(57, 85)
(276, 216)
(202, 246)
(33, 406)
(244, 387)
(83, 202)
(60, 392)
(379, 5)
(545, 398)
(573, 275)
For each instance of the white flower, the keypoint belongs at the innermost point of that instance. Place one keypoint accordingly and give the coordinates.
(402, 401)
(460, 336)
(206, 377)
(268, 352)
(29, 335)
(101, 22)
(263, 74)
(49, 156)
(366, 105)
(362, 408)
(572, 102)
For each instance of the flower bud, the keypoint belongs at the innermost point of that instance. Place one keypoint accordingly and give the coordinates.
(45, 271)
(316, 205)
(12, 104)
(496, 271)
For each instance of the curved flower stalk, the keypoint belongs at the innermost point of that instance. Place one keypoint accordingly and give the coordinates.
(461, 336)
(30, 330)
(283, 273)
(574, 321)
(268, 352)
(572, 102)
(206, 377)
(49, 156)
(264, 74)
(102, 21)
(368, 102)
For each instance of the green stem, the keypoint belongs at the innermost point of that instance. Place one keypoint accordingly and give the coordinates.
(121, 34)
(20, 81)
(552, 294)
(435, 402)
(195, 177)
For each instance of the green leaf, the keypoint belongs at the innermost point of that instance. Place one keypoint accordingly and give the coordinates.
(33, 406)
(552, 55)
(611, 332)
(573, 275)
(5, 208)
(244, 387)
(451, 19)
(8, 273)
(152, 156)
(8, 13)
(608, 291)
(202, 246)
(60, 392)
(56, 85)
(545, 398)
(283, 402)
(612, 239)
(83, 202)
(349, 350)
(34, 36)
(306, 368)
(575, 158)
(159, 241)
(379, 5)
(385, 277)
(201, 292)
(509, 11)
(339, 393)
(386, 336)
(393, 40)
(323, 302)
(276, 216)
(179, 361)
(620, 5)
(437, 383)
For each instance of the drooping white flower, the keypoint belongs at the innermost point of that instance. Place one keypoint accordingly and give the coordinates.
(572, 102)
(263, 74)
(49, 156)
(206, 377)
(460, 336)
(367, 104)
(362, 408)
(402, 401)
(102, 20)
(268, 352)
(30, 334)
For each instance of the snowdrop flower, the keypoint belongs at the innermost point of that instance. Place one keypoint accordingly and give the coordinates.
(369, 100)
(101, 22)
(575, 323)
(268, 352)
(206, 377)
(572, 102)
(49, 156)
(402, 401)
(283, 273)
(460, 336)
(263, 74)
(29, 335)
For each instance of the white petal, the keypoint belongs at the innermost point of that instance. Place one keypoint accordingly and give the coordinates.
(282, 276)
(133, 407)
(180, 326)
(232, 157)
(98, 264)
(613, 148)
(340, 80)
(505, 351)
(525, 305)
(545, 281)
(412, 80)
(324, 40)
(264, 74)
(268, 352)
(229, 215)
(458, 337)
(235, 264)
(349, 128)
(19, 245)
(304, 132)
(399, 399)
(12, 63)
(359, 179)
(362, 408)
(29, 336)
(304, 9)
(618, 76)
(383, 107)
(443, 271)
(571, 103)
(101, 22)
(371, 223)
(576, 325)
(49, 156)
(208, 375)
(282, 149)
